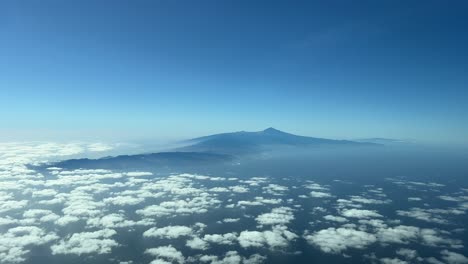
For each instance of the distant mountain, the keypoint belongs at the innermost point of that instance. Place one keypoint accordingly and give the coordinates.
(214, 149)
(245, 142)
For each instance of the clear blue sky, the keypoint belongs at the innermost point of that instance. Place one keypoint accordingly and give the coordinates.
(174, 69)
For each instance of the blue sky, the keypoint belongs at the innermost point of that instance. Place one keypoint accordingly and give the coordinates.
(176, 69)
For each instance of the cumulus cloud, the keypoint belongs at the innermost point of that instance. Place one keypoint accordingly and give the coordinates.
(197, 243)
(277, 216)
(453, 258)
(223, 239)
(316, 194)
(168, 232)
(166, 253)
(97, 242)
(15, 243)
(360, 199)
(360, 213)
(338, 219)
(138, 173)
(423, 215)
(232, 257)
(336, 240)
(278, 237)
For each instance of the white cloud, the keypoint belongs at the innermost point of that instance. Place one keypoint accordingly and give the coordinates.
(15, 242)
(223, 239)
(392, 261)
(231, 220)
(231, 257)
(167, 253)
(407, 253)
(363, 200)
(138, 173)
(196, 205)
(124, 200)
(197, 243)
(338, 219)
(319, 194)
(453, 258)
(278, 237)
(336, 240)
(360, 213)
(44, 193)
(97, 242)
(277, 216)
(275, 189)
(399, 234)
(423, 215)
(259, 201)
(168, 232)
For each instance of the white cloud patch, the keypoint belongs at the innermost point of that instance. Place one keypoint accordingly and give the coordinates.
(197, 243)
(277, 216)
(277, 238)
(333, 218)
(15, 242)
(336, 240)
(316, 194)
(97, 242)
(453, 257)
(169, 232)
(360, 213)
(166, 253)
(222, 239)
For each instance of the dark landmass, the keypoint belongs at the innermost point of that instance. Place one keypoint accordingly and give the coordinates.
(214, 149)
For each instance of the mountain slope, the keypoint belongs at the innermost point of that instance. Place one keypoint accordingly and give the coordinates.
(245, 142)
(161, 159)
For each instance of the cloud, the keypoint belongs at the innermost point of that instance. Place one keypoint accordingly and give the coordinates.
(97, 242)
(392, 261)
(41, 215)
(423, 215)
(336, 240)
(167, 253)
(124, 200)
(196, 205)
(360, 213)
(15, 242)
(116, 220)
(338, 219)
(231, 220)
(11, 205)
(259, 201)
(231, 257)
(138, 173)
(320, 194)
(316, 187)
(223, 239)
(453, 258)
(44, 193)
(169, 232)
(275, 189)
(197, 243)
(277, 216)
(360, 199)
(278, 237)
(408, 254)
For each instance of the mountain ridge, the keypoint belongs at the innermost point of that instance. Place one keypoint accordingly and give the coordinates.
(242, 141)
(216, 148)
